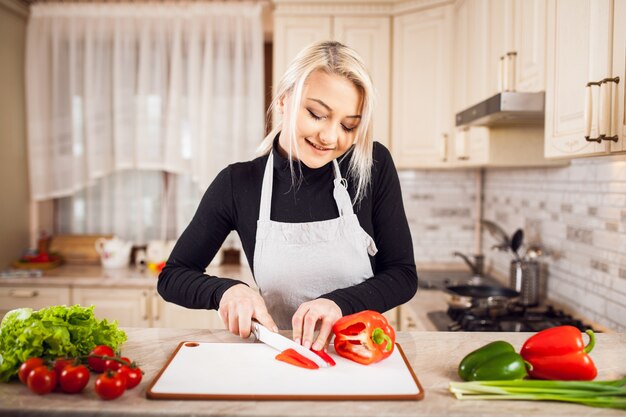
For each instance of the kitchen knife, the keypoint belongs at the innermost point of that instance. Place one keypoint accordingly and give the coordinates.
(282, 343)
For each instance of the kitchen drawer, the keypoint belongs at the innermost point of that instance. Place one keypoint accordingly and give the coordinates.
(35, 297)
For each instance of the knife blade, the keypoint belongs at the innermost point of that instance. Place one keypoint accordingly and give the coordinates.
(281, 343)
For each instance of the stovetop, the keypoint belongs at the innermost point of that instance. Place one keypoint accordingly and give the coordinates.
(515, 319)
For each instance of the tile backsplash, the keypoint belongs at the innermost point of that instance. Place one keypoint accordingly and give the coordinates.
(441, 210)
(577, 212)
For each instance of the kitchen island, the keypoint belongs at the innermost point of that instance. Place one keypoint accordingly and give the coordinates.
(433, 355)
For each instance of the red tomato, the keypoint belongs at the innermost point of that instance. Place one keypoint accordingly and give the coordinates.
(132, 374)
(27, 366)
(97, 364)
(115, 364)
(61, 363)
(74, 378)
(41, 380)
(110, 385)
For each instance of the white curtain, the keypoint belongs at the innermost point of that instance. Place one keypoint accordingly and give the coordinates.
(116, 88)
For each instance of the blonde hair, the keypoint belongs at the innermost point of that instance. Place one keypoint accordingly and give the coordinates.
(336, 59)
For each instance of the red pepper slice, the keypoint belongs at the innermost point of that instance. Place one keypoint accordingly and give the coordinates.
(292, 357)
(325, 356)
(560, 353)
(364, 337)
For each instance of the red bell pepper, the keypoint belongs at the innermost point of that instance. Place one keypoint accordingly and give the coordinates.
(364, 337)
(559, 353)
(292, 357)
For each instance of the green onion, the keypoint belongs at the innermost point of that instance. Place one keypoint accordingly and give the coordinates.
(608, 394)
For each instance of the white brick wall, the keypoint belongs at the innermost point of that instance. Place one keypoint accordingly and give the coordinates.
(440, 208)
(579, 213)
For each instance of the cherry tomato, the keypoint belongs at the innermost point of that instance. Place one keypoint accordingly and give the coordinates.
(132, 374)
(42, 380)
(110, 385)
(114, 364)
(97, 364)
(74, 378)
(27, 366)
(61, 363)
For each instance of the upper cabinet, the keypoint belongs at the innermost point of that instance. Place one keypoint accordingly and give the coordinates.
(585, 78)
(421, 99)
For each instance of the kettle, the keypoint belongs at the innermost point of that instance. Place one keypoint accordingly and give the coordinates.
(114, 253)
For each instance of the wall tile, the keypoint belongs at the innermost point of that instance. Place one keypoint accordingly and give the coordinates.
(579, 216)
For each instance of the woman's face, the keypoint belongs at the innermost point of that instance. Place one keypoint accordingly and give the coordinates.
(326, 121)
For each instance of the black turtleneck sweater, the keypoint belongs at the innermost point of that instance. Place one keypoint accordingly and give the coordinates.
(232, 202)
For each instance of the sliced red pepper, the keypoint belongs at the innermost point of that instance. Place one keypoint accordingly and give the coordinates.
(559, 353)
(364, 337)
(292, 357)
(325, 357)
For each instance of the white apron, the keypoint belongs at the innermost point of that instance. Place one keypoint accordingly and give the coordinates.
(298, 262)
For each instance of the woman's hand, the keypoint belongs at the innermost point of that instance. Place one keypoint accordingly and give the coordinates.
(306, 318)
(239, 305)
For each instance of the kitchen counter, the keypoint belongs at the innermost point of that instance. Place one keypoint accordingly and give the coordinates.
(433, 355)
(96, 276)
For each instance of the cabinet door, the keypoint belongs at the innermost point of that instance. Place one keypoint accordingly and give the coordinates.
(421, 93)
(501, 40)
(32, 297)
(129, 306)
(370, 37)
(291, 35)
(579, 50)
(171, 315)
(619, 69)
(530, 44)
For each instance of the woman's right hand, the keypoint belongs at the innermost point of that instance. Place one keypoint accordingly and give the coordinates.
(239, 305)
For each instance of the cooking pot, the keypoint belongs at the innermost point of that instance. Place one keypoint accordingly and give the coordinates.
(491, 297)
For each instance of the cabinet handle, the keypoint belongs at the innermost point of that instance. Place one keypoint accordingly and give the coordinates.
(24, 293)
(155, 306)
(604, 112)
(444, 147)
(144, 305)
(610, 116)
(589, 111)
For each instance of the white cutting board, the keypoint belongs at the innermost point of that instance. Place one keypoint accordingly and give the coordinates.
(199, 370)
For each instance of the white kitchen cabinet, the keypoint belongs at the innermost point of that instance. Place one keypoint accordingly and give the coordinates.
(471, 48)
(518, 26)
(170, 315)
(367, 34)
(585, 44)
(530, 44)
(143, 307)
(35, 297)
(421, 91)
(371, 38)
(129, 306)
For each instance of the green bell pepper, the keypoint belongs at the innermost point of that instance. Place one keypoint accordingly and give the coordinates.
(493, 362)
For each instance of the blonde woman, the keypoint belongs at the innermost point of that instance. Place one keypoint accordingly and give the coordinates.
(319, 213)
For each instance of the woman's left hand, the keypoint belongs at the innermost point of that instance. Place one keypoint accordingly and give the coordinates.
(307, 316)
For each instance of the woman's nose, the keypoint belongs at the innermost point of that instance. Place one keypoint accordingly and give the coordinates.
(329, 135)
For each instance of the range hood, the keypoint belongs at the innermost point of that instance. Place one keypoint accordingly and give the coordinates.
(506, 108)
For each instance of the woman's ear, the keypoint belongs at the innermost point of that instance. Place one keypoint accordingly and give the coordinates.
(282, 102)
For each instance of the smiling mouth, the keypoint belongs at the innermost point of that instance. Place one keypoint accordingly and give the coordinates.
(318, 147)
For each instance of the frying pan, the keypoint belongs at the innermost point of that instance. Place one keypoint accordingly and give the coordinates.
(481, 296)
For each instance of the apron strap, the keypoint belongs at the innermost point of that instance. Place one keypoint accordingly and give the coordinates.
(340, 191)
(266, 189)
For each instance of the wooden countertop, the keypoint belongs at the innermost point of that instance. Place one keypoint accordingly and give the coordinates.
(433, 355)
